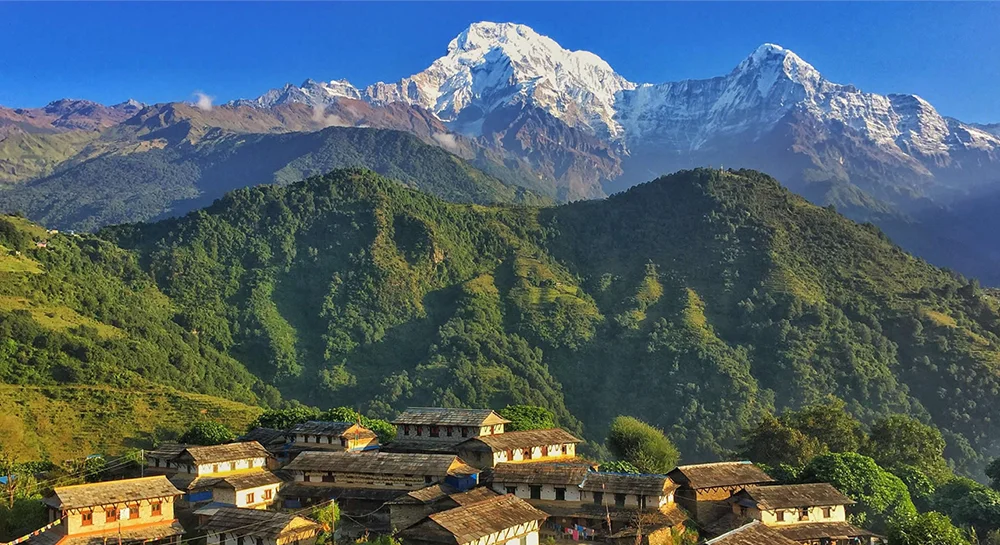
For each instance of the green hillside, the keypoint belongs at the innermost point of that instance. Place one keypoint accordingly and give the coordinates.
(697, 302)
(139, 180)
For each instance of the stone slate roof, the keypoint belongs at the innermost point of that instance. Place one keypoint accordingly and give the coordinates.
(805, 531)
(224, 453)
(647, 485)
(440, 416)
(540, 473)
(381, 463)
(581, 476)
(443, 445)
(166, 451)
(265, 436)
(111, 492)
(255, 522)
(520, 439)
(668, 516)
(792, 495)
(245, 481)
(335, 429)
(426, 495)
(754, 533)
(474, 521)
(719, 474)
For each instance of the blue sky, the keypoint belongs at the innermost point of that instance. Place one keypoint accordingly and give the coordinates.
(948, 53)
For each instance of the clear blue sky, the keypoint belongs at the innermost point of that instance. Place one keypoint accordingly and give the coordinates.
(949, 53)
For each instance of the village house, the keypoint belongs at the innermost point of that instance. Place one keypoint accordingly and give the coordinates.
(161, 460)
(412, 507)
(197, 469)
(754, 533)
(233, 526)
(549, 445)
(254, 490)
(811, 514)
(319, 435)
(362, 482)
(137, 510)
(582, 502)
(437, 429)
(504, 519)
(703, 489)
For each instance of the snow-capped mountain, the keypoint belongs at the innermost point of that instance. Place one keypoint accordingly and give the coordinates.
(312, 93)
(496, 65)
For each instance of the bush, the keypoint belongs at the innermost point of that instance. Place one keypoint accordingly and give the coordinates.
(642, 445)
(208, 433)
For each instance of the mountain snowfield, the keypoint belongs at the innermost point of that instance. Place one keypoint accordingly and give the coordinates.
(491, 66)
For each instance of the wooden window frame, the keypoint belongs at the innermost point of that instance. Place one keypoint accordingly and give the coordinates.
(86, 518)
(111, 514)
(827, 512)
(156, 508)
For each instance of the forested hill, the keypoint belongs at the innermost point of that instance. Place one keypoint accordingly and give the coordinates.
(170, 172)
(698, 302)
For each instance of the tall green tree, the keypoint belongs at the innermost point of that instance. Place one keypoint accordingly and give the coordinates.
(208, 433)
(926, 529)
(773, 443)
(882, 497)
(642, 445)
(904, 440)
(528, 417)
(830, 424)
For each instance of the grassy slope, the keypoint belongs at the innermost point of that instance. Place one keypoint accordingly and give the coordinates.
(68, 421)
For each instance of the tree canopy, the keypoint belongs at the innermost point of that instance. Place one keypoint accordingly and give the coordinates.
(641, 445)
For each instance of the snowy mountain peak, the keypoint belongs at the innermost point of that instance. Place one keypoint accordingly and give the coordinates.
(493, 65)
(771, 62)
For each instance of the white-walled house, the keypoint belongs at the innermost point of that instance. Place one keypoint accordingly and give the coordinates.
(428, 429)
(255, 490)
(503, 520)
(548, 445)
(198, 468)
(234, 526)
(810, 514)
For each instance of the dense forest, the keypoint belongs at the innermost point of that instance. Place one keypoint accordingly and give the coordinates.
(716, 296)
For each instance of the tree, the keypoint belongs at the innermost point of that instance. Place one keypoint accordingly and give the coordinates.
(903, 440)
(926, 529)
(528, 417)
(773, 443)
(642, 445)
(619, 466)
(208, 433)
(328, 516)
(882, 497)
(969, 503)
(383, 429)
(830, 424)
(920, 486)
(283, 419)
(993, 472)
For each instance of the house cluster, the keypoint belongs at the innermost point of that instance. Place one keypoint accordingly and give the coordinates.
(451, 476)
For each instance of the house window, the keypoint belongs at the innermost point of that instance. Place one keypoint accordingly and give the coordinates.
(239, 540)
(511, 489)
(111, 514)
(536, 492)
(329, 440)
(419, 430)
(804, 514)
(642, 501)
(328, 478)
(222, 539)
(780, 516)
(561, 494)
(268, 494)
(826, 512)
(86, 518)
(406, 430)
(343, 442)
(565, 449)
(133, 511)
(545, 450)
(598, 498)
(215, 468)
(155, 509)
(449, 431)
(428, 479)
(435, 431)
(620, 500)
(250, 497)
(465, 432)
